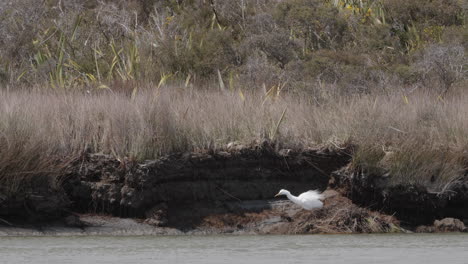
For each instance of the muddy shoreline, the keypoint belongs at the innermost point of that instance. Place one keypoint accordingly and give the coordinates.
(228, 191)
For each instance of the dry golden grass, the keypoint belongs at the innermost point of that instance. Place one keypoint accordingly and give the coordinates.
(417, 138)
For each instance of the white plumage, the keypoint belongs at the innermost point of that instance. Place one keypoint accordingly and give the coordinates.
(308, 200)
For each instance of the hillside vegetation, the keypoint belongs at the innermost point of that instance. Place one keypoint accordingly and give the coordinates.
(350, 46)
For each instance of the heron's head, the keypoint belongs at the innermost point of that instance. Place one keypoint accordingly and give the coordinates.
(282, 192)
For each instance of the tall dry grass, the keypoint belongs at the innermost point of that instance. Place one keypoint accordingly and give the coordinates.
(416, 138)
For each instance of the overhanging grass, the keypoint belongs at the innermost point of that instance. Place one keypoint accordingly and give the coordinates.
(416, 138)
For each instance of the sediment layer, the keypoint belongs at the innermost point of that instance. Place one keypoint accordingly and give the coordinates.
(232, 191)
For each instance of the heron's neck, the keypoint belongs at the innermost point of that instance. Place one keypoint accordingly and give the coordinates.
(291, 197)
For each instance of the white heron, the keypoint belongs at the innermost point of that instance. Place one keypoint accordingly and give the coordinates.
(308, 200)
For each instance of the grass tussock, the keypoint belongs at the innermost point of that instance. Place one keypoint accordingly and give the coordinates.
(416, 138)
(341, 216)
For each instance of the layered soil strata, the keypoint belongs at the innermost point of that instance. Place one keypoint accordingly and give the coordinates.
(412, 204)
(229, 192)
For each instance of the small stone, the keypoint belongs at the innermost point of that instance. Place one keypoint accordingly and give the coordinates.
(74, 221)
(449, 225)
(157, 215)
(284, 152)
(424, 229)
(235, 146)
(156, 222)
(224, 154)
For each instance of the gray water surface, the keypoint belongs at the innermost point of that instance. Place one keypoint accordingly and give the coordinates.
(349, 249)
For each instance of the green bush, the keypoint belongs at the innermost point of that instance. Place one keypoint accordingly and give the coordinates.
(318, 25)
(201, 53)
(432, 12)
(298, 43)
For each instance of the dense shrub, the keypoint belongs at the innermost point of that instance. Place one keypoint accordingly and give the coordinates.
(319, 25)
(301, 44)
(442, 66)
(428, 12)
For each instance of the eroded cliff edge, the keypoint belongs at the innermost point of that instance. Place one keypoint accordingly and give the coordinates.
(231, 191)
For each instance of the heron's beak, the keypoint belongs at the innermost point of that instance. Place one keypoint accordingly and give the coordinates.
(277, 195)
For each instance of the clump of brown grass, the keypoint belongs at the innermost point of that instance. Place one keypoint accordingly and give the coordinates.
(416, 138)
(340, 215)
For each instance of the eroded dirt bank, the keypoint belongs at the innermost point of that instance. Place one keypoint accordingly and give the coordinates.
(412, 204)
(219, 192)
(339, 215)
(102, 184)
